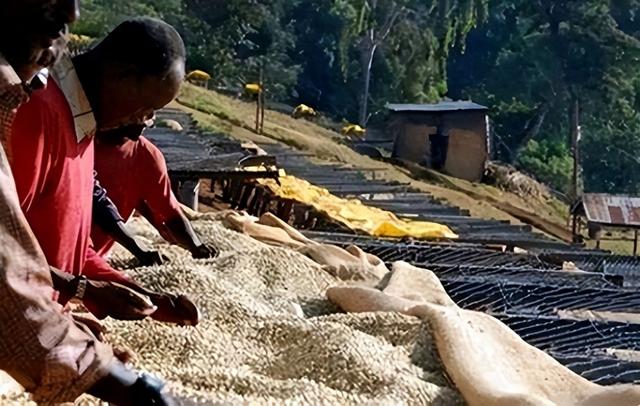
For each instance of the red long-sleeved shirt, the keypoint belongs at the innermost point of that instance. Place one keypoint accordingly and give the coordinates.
(40, 346)
(54, 178)
(134, 175)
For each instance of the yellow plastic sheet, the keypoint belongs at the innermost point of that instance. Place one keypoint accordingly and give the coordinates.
(353, 213)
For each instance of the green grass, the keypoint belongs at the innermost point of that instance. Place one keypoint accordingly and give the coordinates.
(621, 247)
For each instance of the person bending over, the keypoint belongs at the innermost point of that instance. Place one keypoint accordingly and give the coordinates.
(52, 356)
(131, 175)
(136, 69)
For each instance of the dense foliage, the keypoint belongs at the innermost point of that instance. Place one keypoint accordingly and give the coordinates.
(533, 60)
(528, 60)
(314, 51)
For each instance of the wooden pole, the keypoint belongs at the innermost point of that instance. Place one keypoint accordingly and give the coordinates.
(575, 148)
(258, 112)
(261, 96)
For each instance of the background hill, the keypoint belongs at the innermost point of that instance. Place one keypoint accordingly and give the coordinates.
(529, 61)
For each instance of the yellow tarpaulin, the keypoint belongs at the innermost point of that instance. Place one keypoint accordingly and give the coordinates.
(353, 213)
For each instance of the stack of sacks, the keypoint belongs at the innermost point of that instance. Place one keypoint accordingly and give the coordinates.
(487, 361)
(353, 213)
(351, 264)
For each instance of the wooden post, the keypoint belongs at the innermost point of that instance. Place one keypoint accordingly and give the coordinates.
(245, 195)
(574, 228)
(261, 97)
(260, 102)
(258, 112)
(635, 243)
(262, 108)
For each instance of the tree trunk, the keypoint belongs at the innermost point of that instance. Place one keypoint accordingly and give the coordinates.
(367, 62)
(531, 130)
(574, 117)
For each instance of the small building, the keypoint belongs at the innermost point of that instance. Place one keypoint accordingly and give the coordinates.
(607, 211)
(452, 137)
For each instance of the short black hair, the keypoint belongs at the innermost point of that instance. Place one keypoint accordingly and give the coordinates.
(148, 45)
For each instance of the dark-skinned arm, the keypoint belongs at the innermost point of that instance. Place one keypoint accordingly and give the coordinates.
(119, 231)
(183, 234)
(162, 209)
(107, 217)
(104, 298)
(179, 231)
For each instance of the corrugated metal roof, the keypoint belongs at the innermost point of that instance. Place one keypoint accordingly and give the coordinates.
(612, 210)
(438, 107)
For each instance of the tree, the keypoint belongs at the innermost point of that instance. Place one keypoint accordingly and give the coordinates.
(611, 164)
(241, 37)
(317, 27)
(101, 16)
(535, 59)
(549, 159)
(372, 24)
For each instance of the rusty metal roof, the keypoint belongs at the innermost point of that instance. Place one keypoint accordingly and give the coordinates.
(612, 210)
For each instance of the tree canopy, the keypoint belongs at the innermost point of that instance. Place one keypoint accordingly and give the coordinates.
(532, 59)
(313, 51)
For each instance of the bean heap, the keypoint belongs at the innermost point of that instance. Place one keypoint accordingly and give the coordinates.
(269, 336)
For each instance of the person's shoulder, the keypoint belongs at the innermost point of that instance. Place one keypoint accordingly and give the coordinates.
(147, 145)
(37, 125)
(148, 148)
(151, 152)
(47, 99)
(41, 108)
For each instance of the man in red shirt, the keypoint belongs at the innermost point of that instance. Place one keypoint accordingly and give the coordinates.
(136, 69)
(118, 154)
(45, 350)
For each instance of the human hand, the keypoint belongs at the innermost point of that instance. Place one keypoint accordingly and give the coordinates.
(150, 258)
(177, 309)
(116, 301)
(203, 251)
(124, 355)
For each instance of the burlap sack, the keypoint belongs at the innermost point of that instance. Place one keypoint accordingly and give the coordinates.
(487, 361)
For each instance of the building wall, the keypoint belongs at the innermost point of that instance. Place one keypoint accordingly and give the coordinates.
(467, 153)
(411, 143)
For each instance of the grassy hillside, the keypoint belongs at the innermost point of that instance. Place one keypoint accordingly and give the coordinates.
(224, 114)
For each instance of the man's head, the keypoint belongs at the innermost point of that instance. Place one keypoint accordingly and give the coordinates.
(28, 29)
(136, 69)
